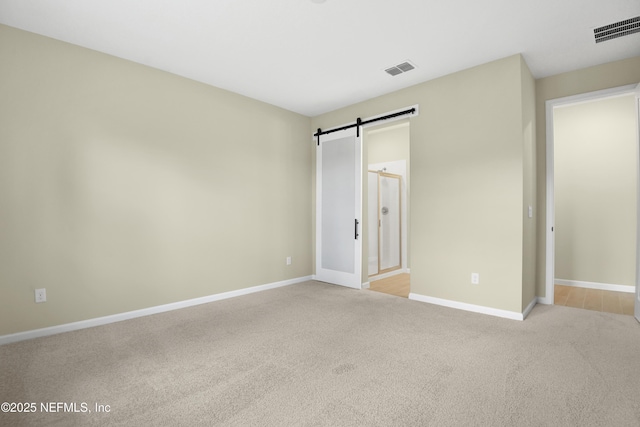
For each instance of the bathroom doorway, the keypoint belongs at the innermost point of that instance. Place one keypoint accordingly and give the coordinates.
(387, 150)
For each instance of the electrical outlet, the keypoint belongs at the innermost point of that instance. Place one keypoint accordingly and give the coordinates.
(41, 295)
(475, 278)
(288, 260)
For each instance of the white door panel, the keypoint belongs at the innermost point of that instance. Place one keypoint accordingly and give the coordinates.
(338, 209)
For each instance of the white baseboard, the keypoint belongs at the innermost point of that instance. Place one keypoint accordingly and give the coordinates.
(469, 307)
(527, 310)
(594, 285)
(385, 275)
(89, 323)
(366, 285)
(544, 301)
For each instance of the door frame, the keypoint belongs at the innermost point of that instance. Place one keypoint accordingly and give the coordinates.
(550, 200)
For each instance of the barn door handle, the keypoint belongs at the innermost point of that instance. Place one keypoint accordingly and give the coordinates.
(356, 229)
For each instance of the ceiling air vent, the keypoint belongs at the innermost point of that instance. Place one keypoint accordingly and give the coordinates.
(619, 29)
(394, 71)
(400, 68)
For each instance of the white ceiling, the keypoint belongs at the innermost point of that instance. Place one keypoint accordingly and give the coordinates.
(312, 58)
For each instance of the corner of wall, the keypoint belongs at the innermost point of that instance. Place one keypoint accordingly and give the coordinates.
(530, 204)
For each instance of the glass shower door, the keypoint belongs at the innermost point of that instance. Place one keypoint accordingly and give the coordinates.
(389, 240)
(373, 223)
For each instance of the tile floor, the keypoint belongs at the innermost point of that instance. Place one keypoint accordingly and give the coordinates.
(594, 299)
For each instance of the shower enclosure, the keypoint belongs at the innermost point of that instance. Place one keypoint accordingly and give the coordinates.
(385, 227)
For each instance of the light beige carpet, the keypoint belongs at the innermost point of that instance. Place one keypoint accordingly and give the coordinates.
(315, 354)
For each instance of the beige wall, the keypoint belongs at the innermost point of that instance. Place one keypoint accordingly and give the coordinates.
(387, 144)
(591, 79)
(124, 187)
(595, 159)
(466, 181)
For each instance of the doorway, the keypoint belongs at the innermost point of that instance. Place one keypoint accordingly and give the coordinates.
(387, 261)
(592, 188)
(341, 193)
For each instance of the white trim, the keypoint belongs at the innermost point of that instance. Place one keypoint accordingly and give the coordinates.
(595, 285)
(527, 310)
(409, 270)
(385, 275)
(584, 98)
(550, 214)
(636, 311)
(469, 307)
(544, 301)
(98, 321)
(366, 285)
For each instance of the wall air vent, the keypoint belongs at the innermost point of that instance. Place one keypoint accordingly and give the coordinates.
(400, 68)
(619, 29)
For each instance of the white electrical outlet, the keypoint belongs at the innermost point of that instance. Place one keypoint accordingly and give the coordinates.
(41, 295)
(288, 260)
(475, 278)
